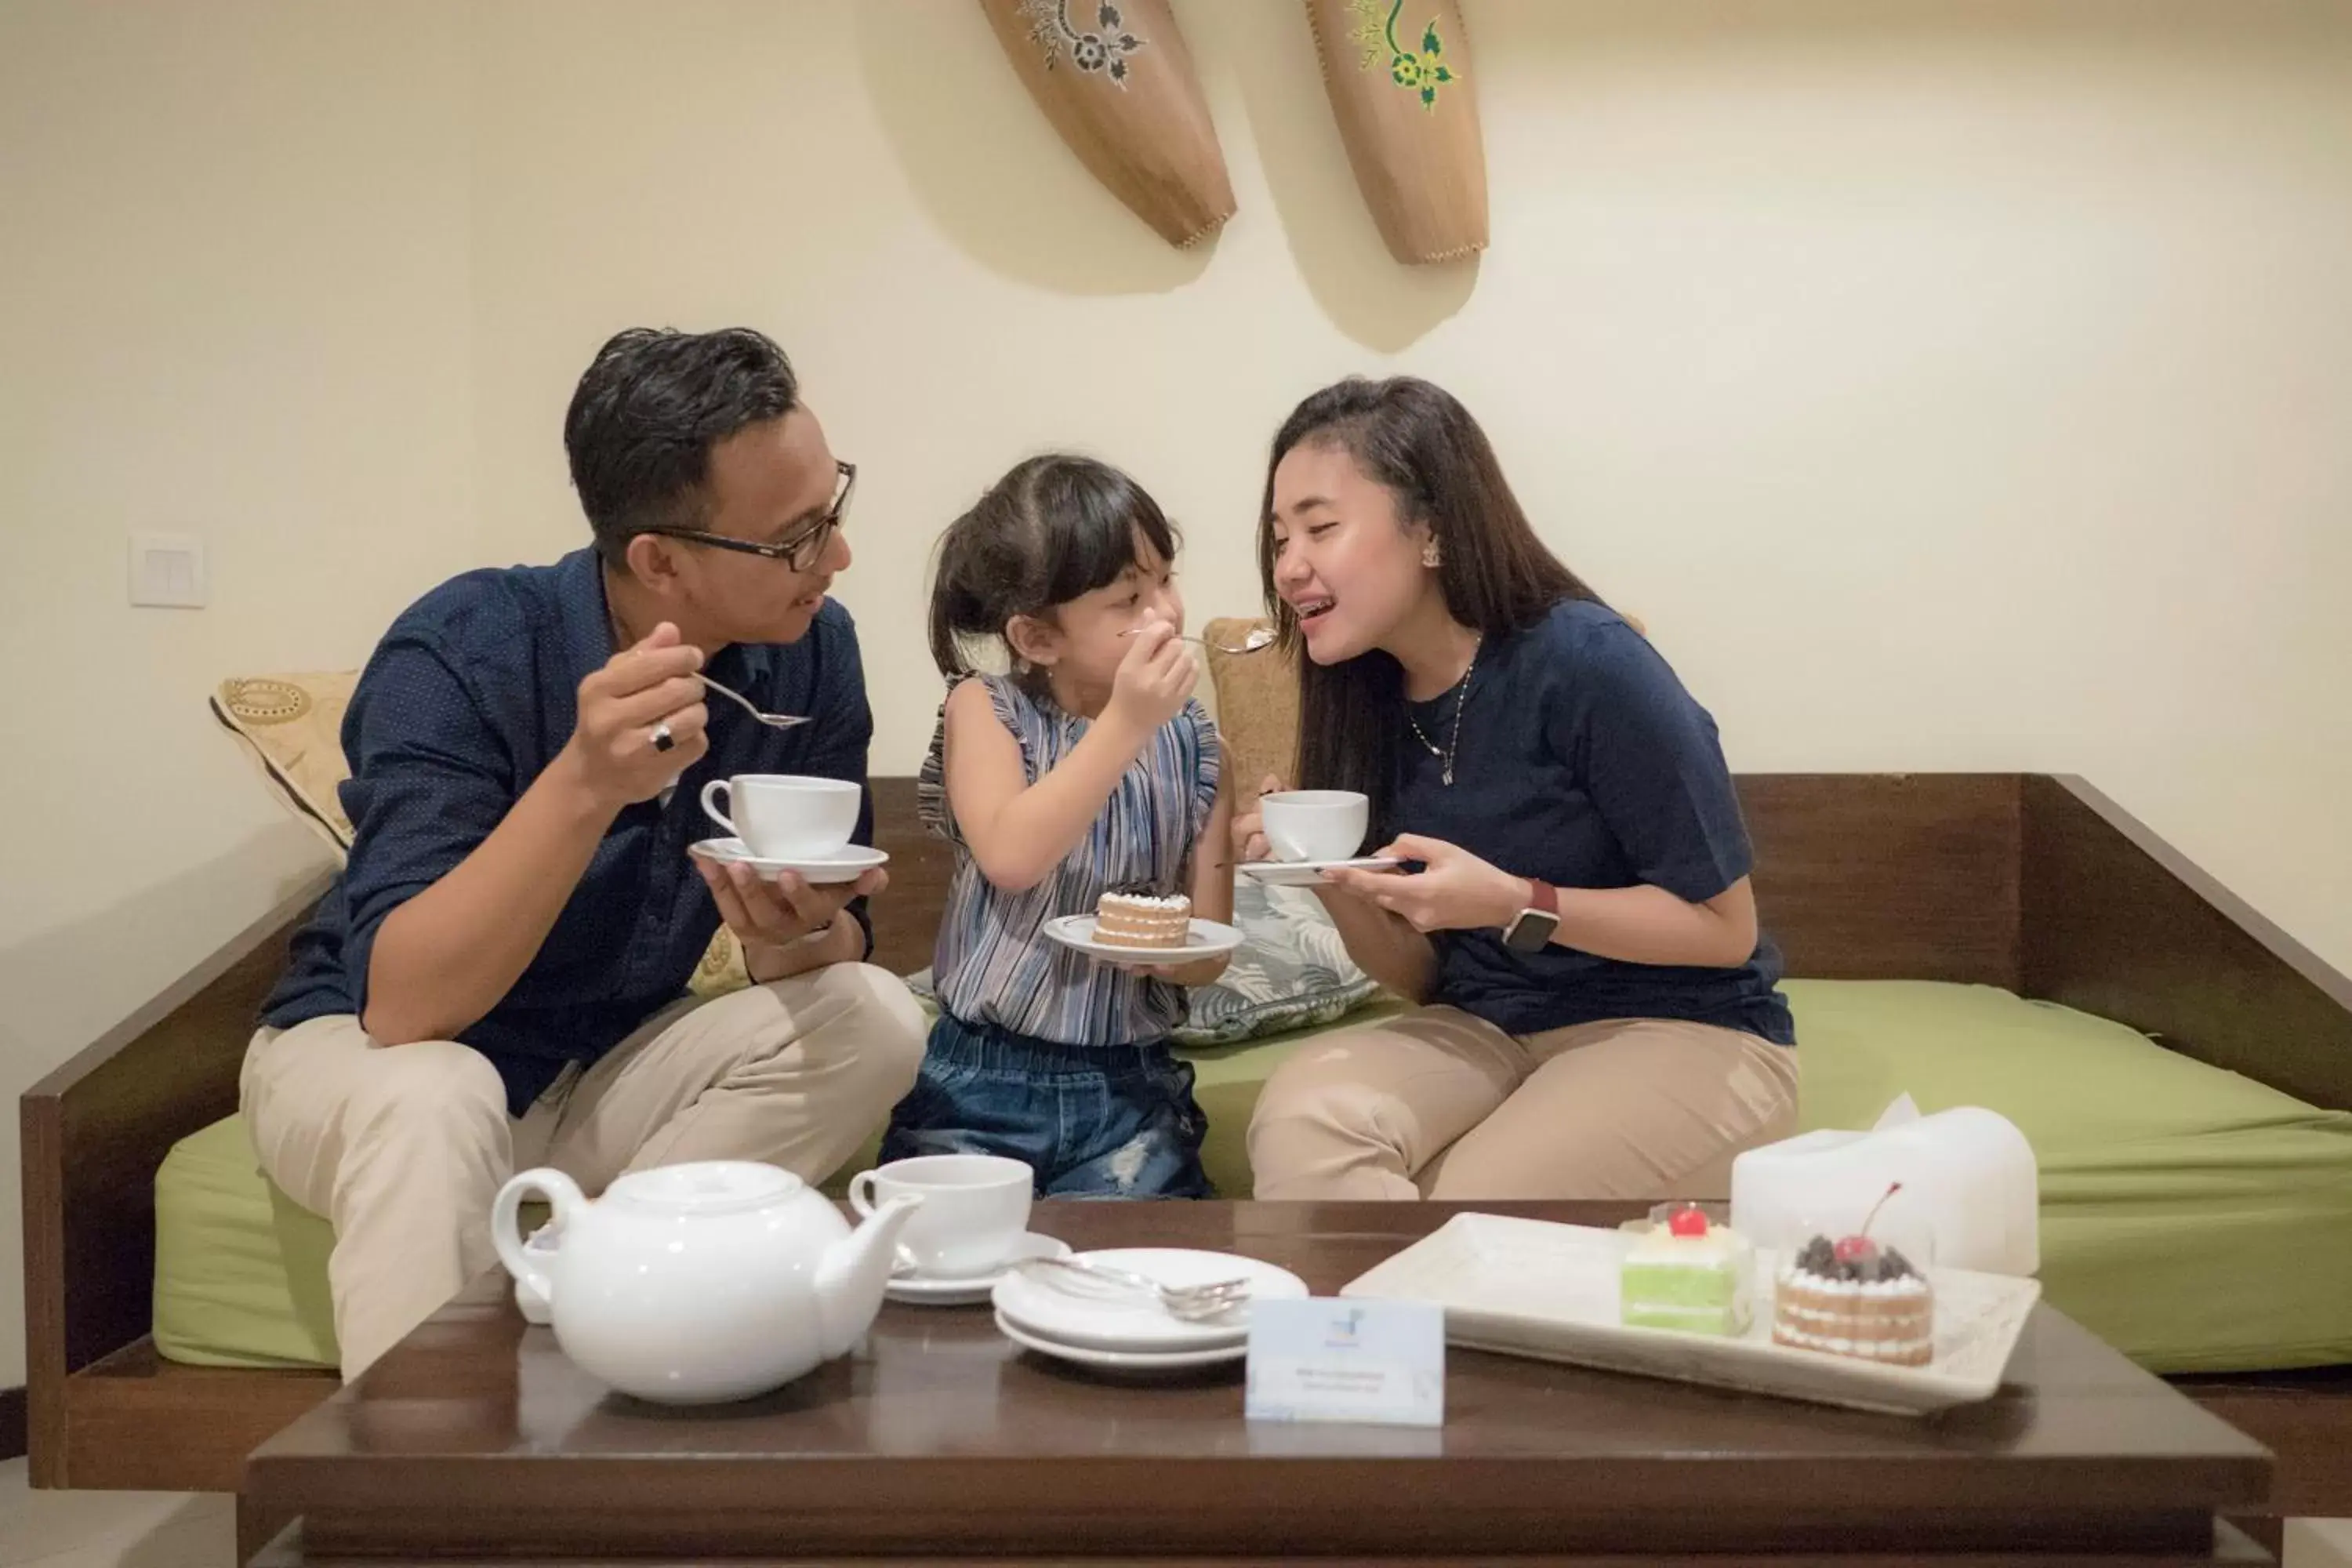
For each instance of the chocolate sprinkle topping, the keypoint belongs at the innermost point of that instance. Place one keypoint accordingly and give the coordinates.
(1820, 1258)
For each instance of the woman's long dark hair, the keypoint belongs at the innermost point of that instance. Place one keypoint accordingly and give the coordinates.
(1418, 441)
(1055, 527)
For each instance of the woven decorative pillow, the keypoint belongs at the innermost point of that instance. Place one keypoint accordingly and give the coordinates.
(291, 727)
(1257, 708)
(1292, 971)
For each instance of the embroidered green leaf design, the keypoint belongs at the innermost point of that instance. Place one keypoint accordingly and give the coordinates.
(1409, 71)
(1370, 31)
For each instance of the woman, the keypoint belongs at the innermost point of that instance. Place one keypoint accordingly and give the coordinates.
(1597, 1016)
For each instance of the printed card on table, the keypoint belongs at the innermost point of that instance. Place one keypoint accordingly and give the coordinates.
(1379, 1361)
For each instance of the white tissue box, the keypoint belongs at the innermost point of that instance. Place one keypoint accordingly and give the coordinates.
(1969, 1198)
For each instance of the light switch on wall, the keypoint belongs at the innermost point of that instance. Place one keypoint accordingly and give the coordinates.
(168, 569)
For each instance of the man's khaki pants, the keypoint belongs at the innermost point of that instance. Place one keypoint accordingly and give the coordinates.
(402, 1147)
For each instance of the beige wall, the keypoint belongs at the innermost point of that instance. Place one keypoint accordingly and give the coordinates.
(1956, 385)
(234, 301)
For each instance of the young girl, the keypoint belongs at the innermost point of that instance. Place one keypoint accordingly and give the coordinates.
(1088, 770)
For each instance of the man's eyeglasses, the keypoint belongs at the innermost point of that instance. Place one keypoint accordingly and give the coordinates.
(805, 549)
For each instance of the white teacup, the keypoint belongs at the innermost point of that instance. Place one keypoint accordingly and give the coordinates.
(975, 1209)
(1315, 824)
(784, 816)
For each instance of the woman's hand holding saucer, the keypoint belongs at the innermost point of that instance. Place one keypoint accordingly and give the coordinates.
(1455, 891)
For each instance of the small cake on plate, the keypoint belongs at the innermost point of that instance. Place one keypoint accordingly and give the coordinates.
(1133, 919)
(1853, 1298)
(1688, 1274)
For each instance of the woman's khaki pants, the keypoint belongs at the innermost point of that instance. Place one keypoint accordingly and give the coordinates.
(1439, 1104)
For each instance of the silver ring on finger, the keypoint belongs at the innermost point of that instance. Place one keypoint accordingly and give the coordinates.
(662, 738)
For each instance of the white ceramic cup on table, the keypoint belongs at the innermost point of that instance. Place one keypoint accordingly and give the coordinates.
(1315, 824)
(975, 1209)
(785, 816)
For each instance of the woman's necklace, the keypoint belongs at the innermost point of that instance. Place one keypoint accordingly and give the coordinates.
(1453, 741)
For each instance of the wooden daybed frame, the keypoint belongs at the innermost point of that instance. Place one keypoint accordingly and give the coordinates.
(2036, 883)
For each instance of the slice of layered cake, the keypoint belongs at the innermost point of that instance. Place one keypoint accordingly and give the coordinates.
(1874, 1306)
(1855, 1298)
(1688, 1274)
(1134, 920)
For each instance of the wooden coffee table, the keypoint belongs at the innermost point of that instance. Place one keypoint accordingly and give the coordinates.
(477, 1439)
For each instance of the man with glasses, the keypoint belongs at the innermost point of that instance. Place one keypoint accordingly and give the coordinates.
(498, 978)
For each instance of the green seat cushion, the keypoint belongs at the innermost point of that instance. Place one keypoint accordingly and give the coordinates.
(2195, 1219)
(240, 1270)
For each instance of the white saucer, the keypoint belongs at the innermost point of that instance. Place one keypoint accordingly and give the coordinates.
(852, 863)
(1120, 1361)
(1209, 940)
(1306, 873)
(1106, 1317)
(969, 1289)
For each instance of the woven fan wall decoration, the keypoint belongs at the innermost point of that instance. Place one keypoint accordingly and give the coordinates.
(1116, 81)
(1398, 73)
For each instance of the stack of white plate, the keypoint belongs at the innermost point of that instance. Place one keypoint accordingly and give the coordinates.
(1119, 1330)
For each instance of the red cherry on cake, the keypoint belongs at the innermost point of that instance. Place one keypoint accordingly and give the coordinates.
(1686, 1222)
(1859, 1247)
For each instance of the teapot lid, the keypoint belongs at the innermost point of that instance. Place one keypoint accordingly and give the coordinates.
(706, 1186)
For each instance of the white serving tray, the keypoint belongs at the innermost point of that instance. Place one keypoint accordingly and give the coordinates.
(1525, 1287)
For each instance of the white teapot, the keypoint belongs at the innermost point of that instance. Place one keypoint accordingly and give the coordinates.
(696, 1283)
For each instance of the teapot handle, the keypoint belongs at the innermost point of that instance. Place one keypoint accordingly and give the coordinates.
(506, 1214)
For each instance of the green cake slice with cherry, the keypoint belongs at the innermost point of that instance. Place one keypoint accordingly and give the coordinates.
(1688, 1274)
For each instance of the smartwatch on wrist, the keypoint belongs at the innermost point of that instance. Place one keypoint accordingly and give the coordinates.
(1531, 931)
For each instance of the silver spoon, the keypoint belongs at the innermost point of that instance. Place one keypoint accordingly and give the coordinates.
(1192, 1303)
(772, 720)
(1258, 637)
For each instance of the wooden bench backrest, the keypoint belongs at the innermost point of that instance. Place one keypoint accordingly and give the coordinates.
(1859, 876)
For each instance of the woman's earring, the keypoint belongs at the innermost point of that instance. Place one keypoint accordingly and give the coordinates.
(1430, 556)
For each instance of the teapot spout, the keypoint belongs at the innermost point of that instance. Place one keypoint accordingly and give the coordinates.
(851, 1275)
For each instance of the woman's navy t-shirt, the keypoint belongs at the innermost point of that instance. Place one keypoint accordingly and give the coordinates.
(1582, 762)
